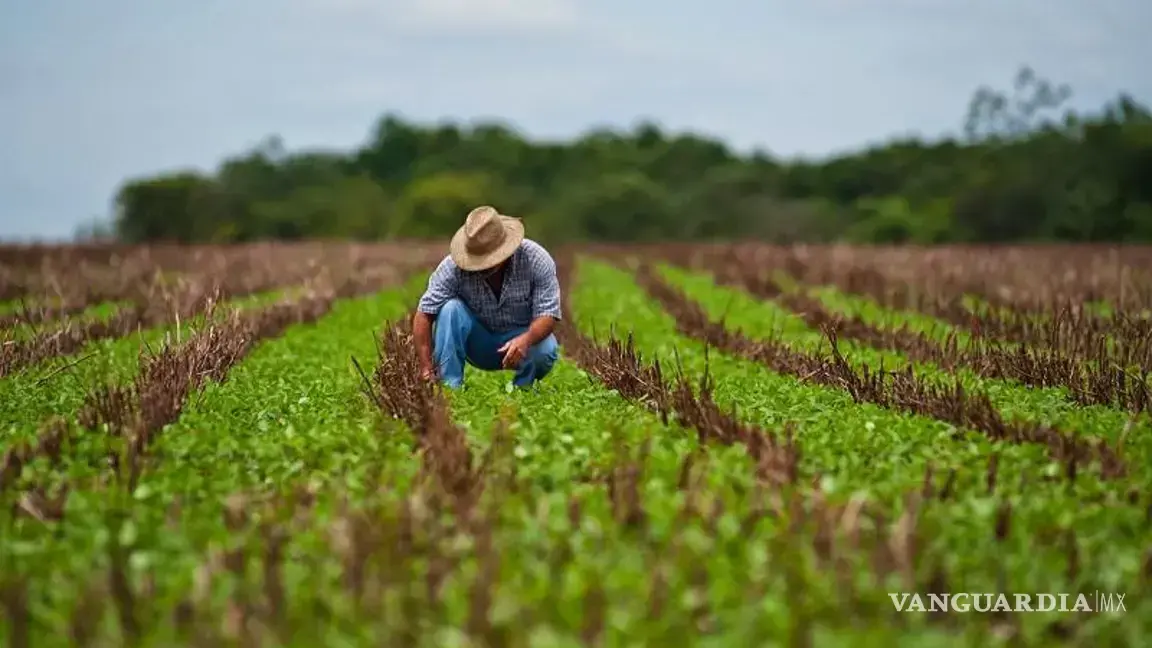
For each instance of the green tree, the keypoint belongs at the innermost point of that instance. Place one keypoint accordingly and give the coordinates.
(1025, 169)
(174, 207)
(622, 206)
(354, 207)
(435, 206)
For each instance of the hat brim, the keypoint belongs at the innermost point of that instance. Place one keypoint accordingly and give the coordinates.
(514, 235)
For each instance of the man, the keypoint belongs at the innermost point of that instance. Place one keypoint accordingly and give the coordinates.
(495, 300)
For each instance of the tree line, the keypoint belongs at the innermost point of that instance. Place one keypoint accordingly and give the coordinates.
(1025, 169)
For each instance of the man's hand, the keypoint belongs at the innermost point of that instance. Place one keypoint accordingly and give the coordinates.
(427, 373)
(515, 350)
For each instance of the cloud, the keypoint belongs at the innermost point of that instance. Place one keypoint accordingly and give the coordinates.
(492, 14)
(455, 16)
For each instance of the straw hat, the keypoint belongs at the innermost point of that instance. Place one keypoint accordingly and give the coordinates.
(487, 238)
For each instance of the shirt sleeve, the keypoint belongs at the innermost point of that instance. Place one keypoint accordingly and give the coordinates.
(545, 286)
(442, 286)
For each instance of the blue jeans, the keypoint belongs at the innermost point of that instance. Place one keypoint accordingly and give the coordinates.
(459, 337)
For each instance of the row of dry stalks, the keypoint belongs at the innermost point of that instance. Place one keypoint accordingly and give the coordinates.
(617, 365)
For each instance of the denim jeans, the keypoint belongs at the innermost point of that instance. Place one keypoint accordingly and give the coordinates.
(459, 337)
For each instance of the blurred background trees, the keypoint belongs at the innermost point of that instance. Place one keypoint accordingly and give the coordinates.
(1025, 169)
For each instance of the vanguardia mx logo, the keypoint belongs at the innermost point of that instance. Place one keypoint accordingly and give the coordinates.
(1097, 602)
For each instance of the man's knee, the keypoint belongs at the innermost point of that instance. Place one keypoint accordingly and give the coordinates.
(548, 348)
(545, 353)
(454, 319)
(454, 310)
(538, 363)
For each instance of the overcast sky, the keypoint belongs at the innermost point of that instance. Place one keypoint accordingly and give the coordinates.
(96, 91)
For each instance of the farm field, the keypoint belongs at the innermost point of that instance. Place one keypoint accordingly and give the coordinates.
(741, 445)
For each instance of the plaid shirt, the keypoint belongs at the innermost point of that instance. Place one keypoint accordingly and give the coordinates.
(530, 290)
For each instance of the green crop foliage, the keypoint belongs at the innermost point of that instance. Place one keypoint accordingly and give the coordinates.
(597, 520)
(863, 450)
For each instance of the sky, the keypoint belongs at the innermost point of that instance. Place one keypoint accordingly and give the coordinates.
(94, 92)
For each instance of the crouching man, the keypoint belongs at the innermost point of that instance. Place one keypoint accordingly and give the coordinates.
(494, 300)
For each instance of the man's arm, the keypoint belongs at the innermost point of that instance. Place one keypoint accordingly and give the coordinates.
(422, 338)
(540, 328)
(545, 310)
(545, 294)
(442, 286)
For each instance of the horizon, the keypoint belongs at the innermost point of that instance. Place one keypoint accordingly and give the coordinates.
(320, 74)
